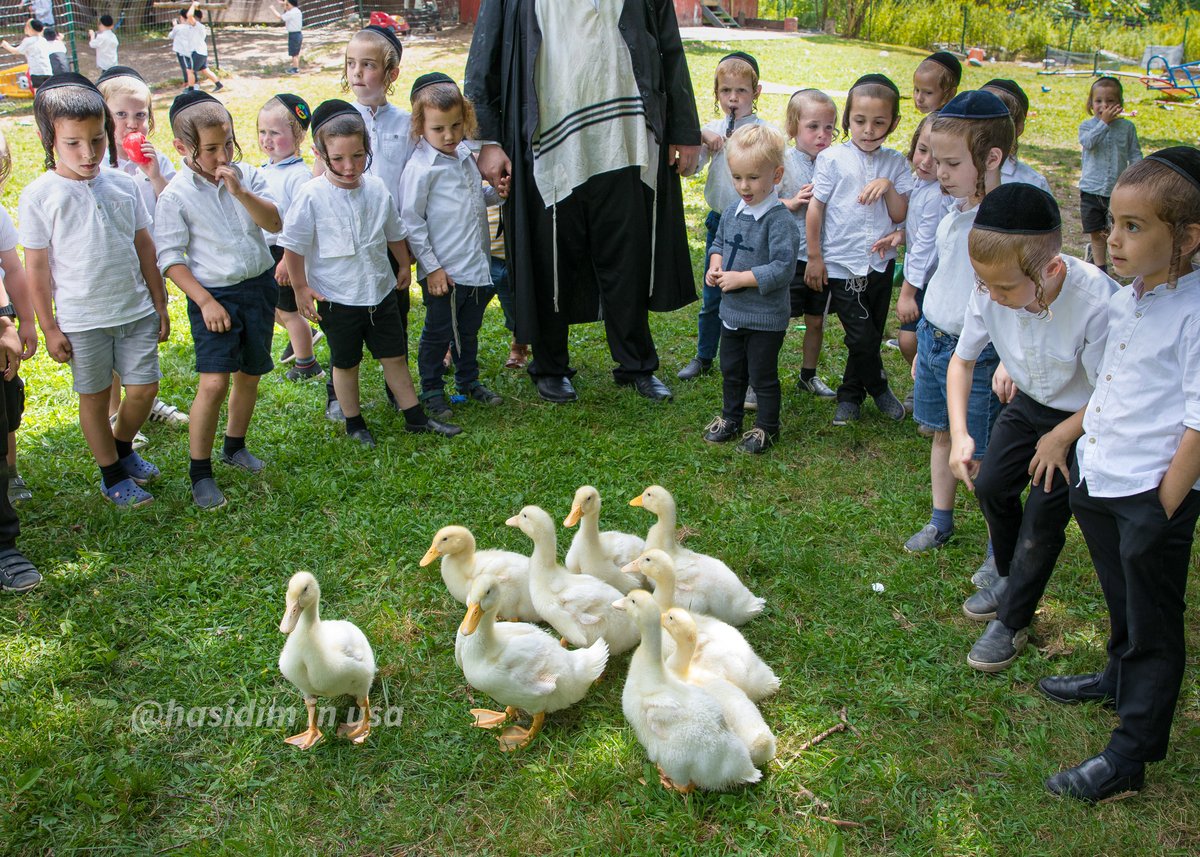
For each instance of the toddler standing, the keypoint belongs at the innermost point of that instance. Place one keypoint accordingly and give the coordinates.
(1110, 144)
(104, 42)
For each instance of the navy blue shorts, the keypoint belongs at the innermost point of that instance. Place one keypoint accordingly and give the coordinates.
(294, 41)
(246, 346)
(805, 301)
(199, 61)
(348, 328)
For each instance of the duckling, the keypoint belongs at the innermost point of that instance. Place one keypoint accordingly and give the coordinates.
(462, 563)
(741, 714)
(324, 659)
(681, 726)
(601, 554)
(704, 584)
(578, 606)
(519, 665)
(721, 648)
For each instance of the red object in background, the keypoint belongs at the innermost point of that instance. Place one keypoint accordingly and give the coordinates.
(132, 145)
(383, 19)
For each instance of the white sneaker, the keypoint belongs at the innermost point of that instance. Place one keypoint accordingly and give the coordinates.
(139, 439)
(161, 412)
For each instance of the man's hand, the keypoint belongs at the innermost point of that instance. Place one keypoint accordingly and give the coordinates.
(685, 159)
(495, 167)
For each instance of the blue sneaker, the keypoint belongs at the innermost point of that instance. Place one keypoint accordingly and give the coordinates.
(139, 469)
(127, 494)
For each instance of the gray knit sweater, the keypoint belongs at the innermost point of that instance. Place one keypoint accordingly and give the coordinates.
(767, 248)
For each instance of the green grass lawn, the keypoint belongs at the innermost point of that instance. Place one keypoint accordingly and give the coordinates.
(168, 603)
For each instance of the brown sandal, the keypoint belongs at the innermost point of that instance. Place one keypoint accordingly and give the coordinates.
(518, 356)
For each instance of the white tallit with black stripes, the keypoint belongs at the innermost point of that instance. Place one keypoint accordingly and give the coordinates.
(591, 116)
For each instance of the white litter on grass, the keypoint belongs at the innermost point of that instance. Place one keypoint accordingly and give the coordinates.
(883, 53)
(878, 587)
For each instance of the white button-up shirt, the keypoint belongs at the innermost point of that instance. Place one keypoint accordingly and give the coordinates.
(851, 227)
(443, 204)
(1052, 358)
(950, 287)
(1147, 391)
(284, 179)
(1014, 170)
(798, 170)
(390, 131)
(342, 235)
(926, 208)
(719, 191)
(199, 224)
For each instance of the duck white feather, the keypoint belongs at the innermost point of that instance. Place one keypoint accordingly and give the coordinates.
(601, 554)
(462, 563)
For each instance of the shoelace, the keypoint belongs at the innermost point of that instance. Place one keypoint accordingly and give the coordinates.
(756, 433)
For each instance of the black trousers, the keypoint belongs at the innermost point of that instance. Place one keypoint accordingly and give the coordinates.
(1142, 561)
(864, 315)
(1028, 540)
(604, 223)
(10, 417)
(751, 357)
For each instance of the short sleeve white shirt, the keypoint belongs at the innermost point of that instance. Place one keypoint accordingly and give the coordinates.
(105, 46)
(1053, 357)
(926, 208)
(284, 180)
(88, 227)
(1015, 170)
(343, 236)
(142, 181)
(181, 39)
(199, 40)
(950, 287)
(851, 228)
(293, 19)
(37, 54)
(1147, 391)
(199, 224)
(8, 235)
(391, 143)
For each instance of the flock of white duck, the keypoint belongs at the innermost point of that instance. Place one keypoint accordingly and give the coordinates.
(689, 695)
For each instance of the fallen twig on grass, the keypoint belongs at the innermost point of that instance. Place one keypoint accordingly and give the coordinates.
(837, 821)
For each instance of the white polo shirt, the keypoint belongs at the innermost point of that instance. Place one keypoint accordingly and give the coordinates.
(37, 55)
(293, 19)
(342, 235)
(1052, 358)
(200, 224)
(88, 228)
(926, 208)
(144, 185)
(1147, 391)
(284, 180)
(950, 287)
(391, 143)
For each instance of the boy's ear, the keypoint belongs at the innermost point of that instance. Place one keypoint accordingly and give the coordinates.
(393, 74)
(1053, 268)
(181, 147)
(1191, 242)
(995, 157)
(758, 91)
(778, 175)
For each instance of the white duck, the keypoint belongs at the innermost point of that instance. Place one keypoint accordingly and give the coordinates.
(704, 584)
(601, 554)
(324, 659)
(741, 714)
(721, 649)
(578, 606)
(519, 665)
(681, 726)
(462, 563)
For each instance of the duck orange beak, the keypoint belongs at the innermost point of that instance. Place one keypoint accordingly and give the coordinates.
(290, 616)
(471, 621)
(514, 521)
(636, 501)
(573, 518)
(430, 555)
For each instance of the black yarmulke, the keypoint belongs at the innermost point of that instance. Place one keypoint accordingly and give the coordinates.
(948, 61)
(184, 100)
(388, 34)
(69, 78)
(881, 79)
(431, 79)
(1012, 88)
(118, 71)
(1018, 209)
(974, 104)
(1184, 160)
(744, 57)
(297, 106)
(326, 110)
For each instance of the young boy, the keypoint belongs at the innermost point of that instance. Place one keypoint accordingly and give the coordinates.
(200, 50)
(17, 573)
(181, 44)
(751, 261)
(293, 23)
(104, 43)
(35, 50)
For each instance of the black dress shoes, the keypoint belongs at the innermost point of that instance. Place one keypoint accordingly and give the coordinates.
(555, 388)
(1096, 780)
(694, 369)
(648, 386)
(1072, 689)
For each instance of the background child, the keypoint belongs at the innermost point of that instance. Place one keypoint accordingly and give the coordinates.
(17, 573)
(812, 123)
(1038, 306)
(100, 299)
(1110, 144)
(293, 24)
(282, 124)
(935, 81)
(56, 51)
(444, 210)
(1014, 169)
(336, 241)
(736, 90)
(752, 261)
(859, 190)
(181, 44)
(200, 51)
(209, 230)
(35, 50)
(971, 137)
(104, 43)
(1135, 488)
(128, 99)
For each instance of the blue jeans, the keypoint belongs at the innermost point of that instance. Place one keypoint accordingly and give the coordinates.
(469, 302)
(934, 349)
(504, 293)
(708, 325)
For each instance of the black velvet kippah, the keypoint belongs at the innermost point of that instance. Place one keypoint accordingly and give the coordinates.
(388, 34)
(184, 100)
(297, 106)
(1184, 160)
(744, 57)
(1018, 209)
(431, 79)
(1012, 88)
(118, 71)
(326, 110)
(69, 78)
(881, 79)
(974, 104)
(949, 61)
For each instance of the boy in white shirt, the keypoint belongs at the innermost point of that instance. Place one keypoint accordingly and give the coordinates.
(293, 23)
(181, 44)
(35, 50)
(104, 43)
(200, 50)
